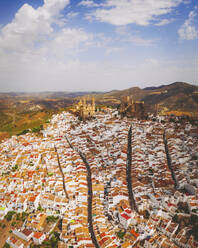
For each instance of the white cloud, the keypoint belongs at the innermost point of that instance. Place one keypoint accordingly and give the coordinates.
(111, 50)
(72, 14)
(188, 31)
(65, 44)
(31, 33)
(164, 22)
(139, 41)
(125, 35)
(140, 12)
(89, 3)
(31, 25)
(30, 46)
(34, 55)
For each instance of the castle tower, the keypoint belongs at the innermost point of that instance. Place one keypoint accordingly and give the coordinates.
(93, 105)
(84, 101)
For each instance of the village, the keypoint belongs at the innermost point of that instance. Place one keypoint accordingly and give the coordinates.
(85, 184)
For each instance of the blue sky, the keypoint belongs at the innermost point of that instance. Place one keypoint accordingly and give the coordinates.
(97, 45)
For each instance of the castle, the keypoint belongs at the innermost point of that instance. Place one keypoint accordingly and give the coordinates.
(131, 108)
(85, 108)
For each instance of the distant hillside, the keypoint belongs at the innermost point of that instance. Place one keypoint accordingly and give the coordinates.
(178, 96)
(19, 111)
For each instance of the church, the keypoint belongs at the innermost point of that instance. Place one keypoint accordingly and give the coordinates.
(85, 108)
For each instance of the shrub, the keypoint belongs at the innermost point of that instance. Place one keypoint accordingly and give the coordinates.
(18, 216)
(14, 168)
(9, 215)
(51, 219)
(13, 223)
(6, 245)
(121, 234)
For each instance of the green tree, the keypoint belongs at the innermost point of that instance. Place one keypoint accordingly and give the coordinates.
(121, 234)
(51, 219)
(6, 245)
(9, 215)
(18, 216)
(13, 223)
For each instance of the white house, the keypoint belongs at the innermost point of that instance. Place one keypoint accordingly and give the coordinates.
(14, 243)
(24, 234)
(38, 238)
(125, 219)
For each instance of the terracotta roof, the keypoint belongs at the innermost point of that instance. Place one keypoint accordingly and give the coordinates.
(126, 217)
(134, 233)
(26, 232)
(37, 235)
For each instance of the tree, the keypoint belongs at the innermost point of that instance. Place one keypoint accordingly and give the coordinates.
(51, 219)
(194, 232)
(9, 215)
(6, 245)
(18, 216)
(13, 223)
(194, 219)
(175, 218)
(14, 168)
(121, 234)
(40, 208)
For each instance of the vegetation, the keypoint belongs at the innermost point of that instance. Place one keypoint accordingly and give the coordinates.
(51, 219)
(40, 208)
(183, 207)
(194, 232)
(19, 121)
(146, 214)
(37, 129)
(31, 163)
(15, 168)
(24, 216)
(6, 245)
(9, 215)
(121, 234)
(34, 246)
(23, 132)
(175, 218)
(53, 242)
(13, 223)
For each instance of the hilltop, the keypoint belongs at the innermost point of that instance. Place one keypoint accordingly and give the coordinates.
(178, 97)
(26, 110)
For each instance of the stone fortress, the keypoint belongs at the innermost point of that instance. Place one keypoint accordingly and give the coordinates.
(85, 108)
(131, 108)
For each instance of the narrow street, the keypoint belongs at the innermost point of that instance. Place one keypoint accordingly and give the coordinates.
(169, 161)
(63, 176)
(128, 173)
(90, 197)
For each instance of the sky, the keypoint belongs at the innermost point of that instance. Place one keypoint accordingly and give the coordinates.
(97, 45)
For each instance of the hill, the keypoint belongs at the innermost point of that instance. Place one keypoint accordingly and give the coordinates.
(178, 97)
(21, 111)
